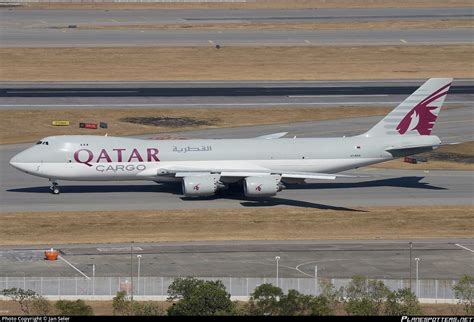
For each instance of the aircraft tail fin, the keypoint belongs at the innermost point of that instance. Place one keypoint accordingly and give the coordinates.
(417, 114)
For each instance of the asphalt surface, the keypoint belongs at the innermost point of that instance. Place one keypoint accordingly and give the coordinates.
(122, 38)
(45, 28)
(57, 18)
(21, 192)
(216, 91)
(243, 94)
(439, 259)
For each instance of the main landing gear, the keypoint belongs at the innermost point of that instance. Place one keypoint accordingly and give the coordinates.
(54, 188)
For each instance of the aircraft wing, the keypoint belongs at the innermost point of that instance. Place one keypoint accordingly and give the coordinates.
(244, 174)
(180, 172)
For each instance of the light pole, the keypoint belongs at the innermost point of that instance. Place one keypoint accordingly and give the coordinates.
(411, 246)
(93, 279)
(417, 259)
(131, 271)
(138, 277)
(277, 258)
(316, 280)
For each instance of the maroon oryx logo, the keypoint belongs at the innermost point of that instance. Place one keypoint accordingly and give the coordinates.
(421, 118)
(196, 187)
(259, 187)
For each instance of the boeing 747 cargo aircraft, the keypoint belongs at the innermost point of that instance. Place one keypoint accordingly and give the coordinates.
(262, 165)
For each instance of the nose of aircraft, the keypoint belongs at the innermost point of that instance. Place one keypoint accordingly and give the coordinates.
(15, 161)
(20, 161)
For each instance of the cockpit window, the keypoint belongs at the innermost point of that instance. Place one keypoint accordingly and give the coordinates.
(42, 143)
(39, 142)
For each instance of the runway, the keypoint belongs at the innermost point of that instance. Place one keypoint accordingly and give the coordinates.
(21, 192)
(45, 28)
(57, 18)
(204, 94)
(440, 259)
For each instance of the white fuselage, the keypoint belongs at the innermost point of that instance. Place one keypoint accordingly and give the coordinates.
(100, 158)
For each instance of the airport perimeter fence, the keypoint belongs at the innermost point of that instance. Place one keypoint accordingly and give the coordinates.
(147, 288)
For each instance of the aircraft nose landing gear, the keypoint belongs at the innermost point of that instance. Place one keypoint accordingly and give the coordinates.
(54, 188)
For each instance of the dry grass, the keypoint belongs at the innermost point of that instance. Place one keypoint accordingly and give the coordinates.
(282, 223)
(374, 25)
(105, 308)
(430, 165)
(263, 4)
(31, 125)
(466, 148)
(98, 307)
(237, 63)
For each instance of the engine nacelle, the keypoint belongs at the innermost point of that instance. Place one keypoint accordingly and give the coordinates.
(264, 186)
(200, 186)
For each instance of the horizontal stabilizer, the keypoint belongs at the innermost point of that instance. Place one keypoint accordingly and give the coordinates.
(410, 147)
(272, 136)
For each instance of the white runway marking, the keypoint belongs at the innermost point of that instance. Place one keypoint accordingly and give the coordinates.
(61, 92)
(337, 95)
(464, 247)
(60, 257)
(315, 262)
(403, 41)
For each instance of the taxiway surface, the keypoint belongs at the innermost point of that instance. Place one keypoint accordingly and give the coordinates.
(47, 28)
(440, 259)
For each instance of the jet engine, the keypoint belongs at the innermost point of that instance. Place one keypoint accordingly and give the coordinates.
(200, 186)
(264, 186)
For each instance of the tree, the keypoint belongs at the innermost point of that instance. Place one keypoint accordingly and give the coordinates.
(333, 295)
(264, 300)
(123, 306)
(183, 287)
(464, 292)
(365, 297)
(40, 306)
(120, 304)
(23, 297)
(78, 307)
(199, 297)
(320, 306)
(402, 302)
(295, 303)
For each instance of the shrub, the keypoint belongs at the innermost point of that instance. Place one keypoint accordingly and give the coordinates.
(464, 292)
(77, 307)
(402, 302)
(199, 297)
